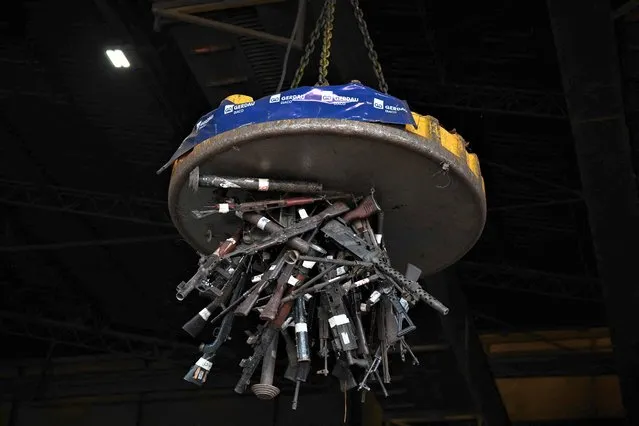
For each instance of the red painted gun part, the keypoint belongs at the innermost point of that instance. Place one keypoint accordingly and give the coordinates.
(366, 208)
(271, 308)
(283, 313)
(228, 245)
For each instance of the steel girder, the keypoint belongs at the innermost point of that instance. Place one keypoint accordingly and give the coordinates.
(460, 333)
(79, 335)
(91, 203)
(587, 53)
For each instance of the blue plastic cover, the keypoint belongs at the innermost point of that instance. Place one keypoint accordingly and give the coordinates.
(351, 101)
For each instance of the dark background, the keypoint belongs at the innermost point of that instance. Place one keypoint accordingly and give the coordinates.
(89, 259)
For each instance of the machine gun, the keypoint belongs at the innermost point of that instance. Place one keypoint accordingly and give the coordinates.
(339, 232)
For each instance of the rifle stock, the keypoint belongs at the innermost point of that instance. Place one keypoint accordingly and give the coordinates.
(268, 276)
(366, 208)
(273, 305)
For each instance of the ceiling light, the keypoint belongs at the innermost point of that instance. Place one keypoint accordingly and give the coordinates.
(118, 59)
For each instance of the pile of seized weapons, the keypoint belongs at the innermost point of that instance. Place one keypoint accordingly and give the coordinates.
(312, 263)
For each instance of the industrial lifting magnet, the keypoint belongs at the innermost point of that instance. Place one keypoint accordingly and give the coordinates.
(429, 186)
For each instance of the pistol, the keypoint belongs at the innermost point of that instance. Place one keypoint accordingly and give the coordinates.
(195, 325)
(207, 264)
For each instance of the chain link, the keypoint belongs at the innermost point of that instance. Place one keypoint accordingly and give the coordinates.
(325, 55)
(324, 26)
(310, 47)
(372, 55)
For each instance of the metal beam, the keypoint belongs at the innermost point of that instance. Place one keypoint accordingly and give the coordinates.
(459, 331)
(91, 203)
(587, 54)
(209, 6)
(222, 26)
(624, 9)
(94, 339)
(561, 286)
(89, 243)
(500, 100)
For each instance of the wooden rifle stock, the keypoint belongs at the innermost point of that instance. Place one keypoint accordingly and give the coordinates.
(283, 313)
(267, 277)
(273, 305)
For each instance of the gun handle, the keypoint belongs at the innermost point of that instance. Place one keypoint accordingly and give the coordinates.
(366, 208)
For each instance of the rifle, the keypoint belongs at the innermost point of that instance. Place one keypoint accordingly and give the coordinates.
(340, 324)
(265, 389)
(195, 325)
(256, 184)
(322, 320)
(343, 373)
(288, 235)
(301, 331)
(270, 310)
(303, 368)
(255, 206)
(291, 354)
(207, 264)
(366, 208)
(199, 372)
(339, 232)
(266, 279)
(272, 306)
(268, 332)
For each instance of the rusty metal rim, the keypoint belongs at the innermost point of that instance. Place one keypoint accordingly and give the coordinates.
(252, 133)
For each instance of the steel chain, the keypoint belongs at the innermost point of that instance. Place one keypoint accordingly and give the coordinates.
(310, 47)
(372, 55)
(325, 55)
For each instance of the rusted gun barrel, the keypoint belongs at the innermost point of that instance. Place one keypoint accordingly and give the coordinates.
(196, 180)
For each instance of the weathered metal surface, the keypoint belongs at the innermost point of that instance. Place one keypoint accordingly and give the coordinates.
(435, 206)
